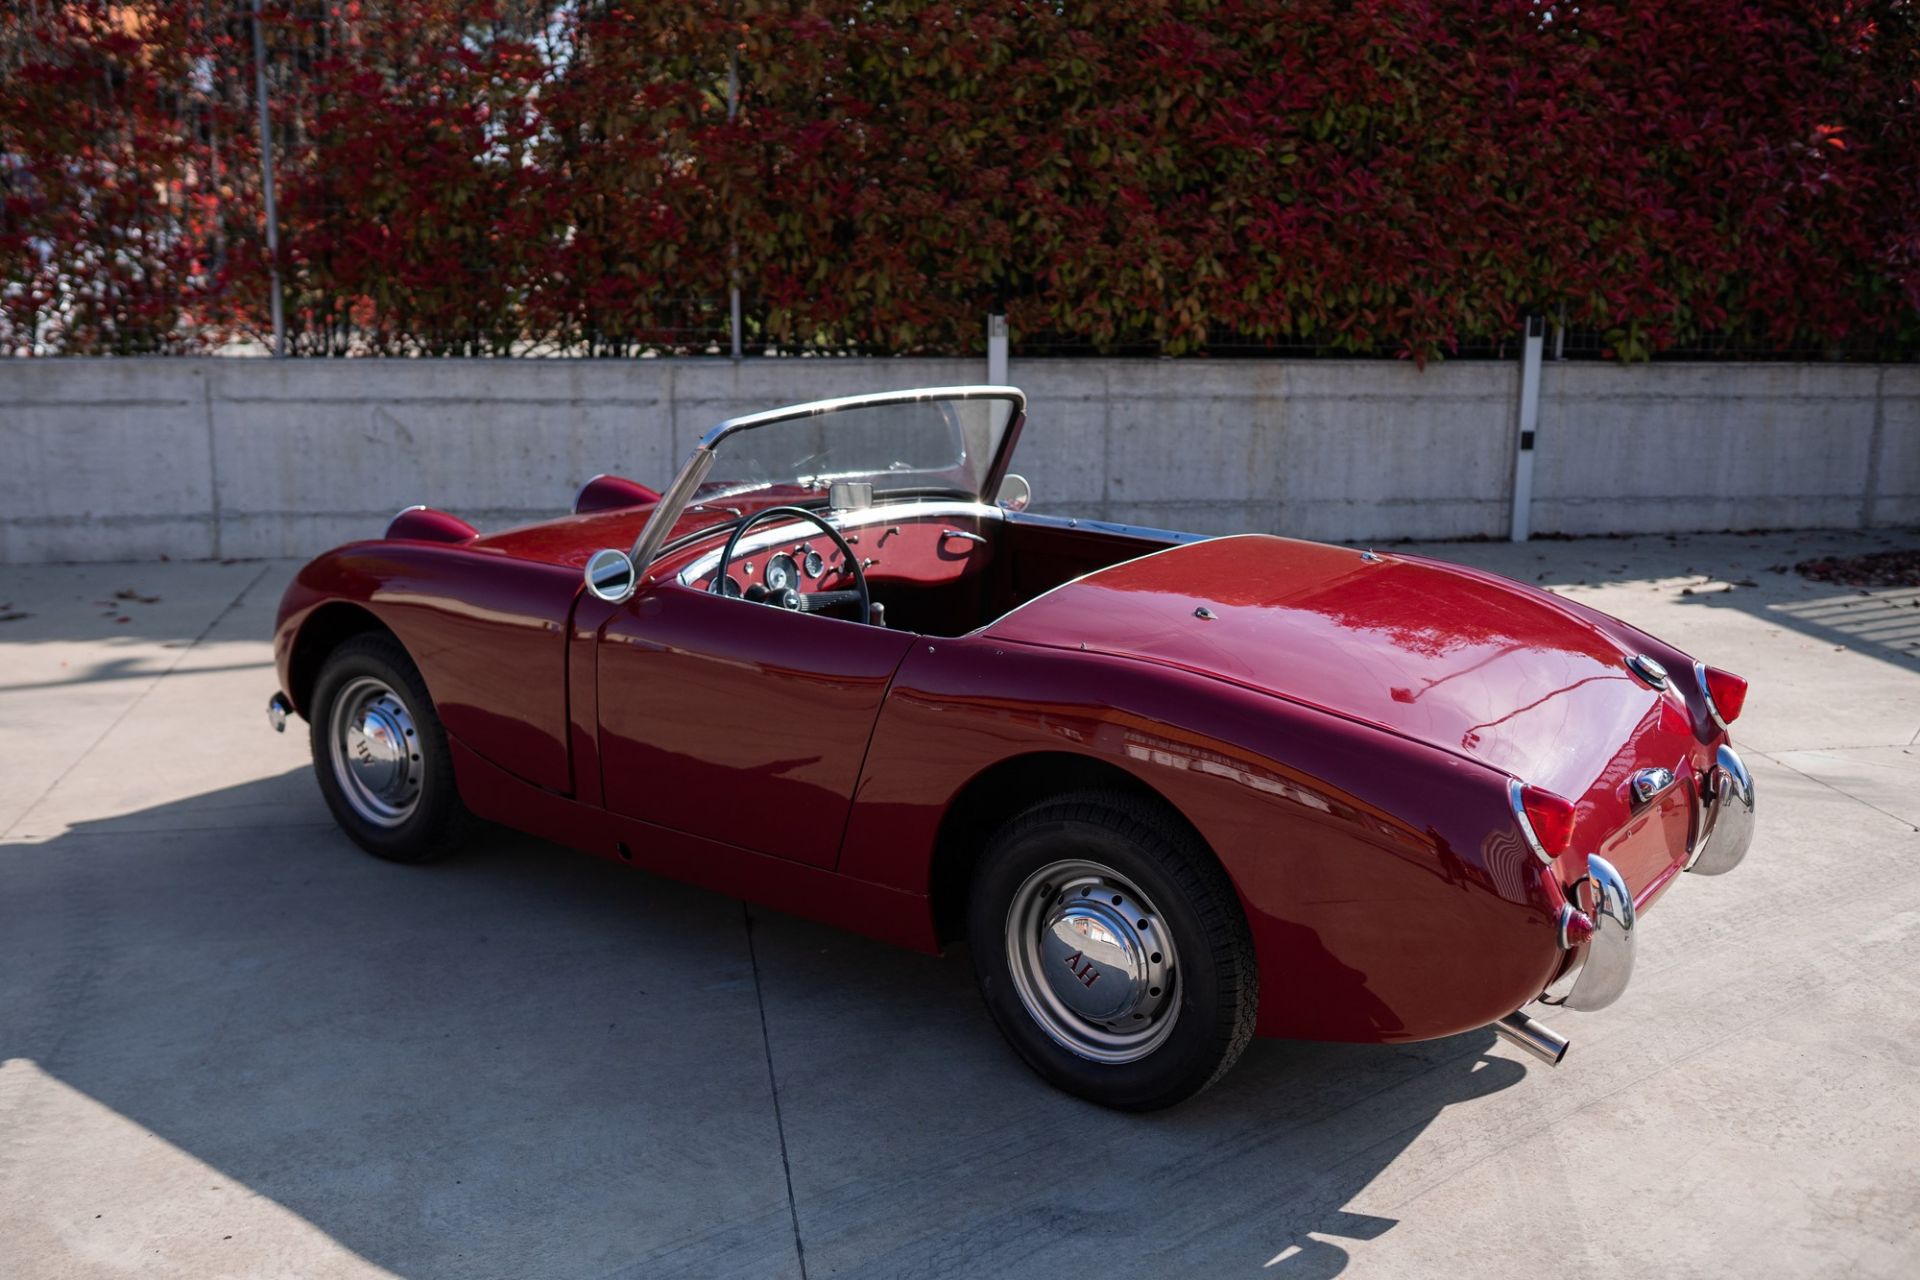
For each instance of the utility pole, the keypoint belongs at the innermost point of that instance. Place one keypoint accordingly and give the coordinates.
(266, 181)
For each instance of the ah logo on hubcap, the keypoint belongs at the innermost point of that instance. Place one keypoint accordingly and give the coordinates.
(1087, 973)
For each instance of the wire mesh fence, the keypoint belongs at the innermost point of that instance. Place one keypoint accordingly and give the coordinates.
(1584, 345)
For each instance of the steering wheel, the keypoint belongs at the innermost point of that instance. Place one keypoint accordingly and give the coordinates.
(788, 598)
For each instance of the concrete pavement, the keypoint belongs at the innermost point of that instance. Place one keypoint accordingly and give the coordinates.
(232, 1045)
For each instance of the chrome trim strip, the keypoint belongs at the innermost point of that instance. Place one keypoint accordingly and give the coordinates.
(1109, 526)
(1519, 808)
(814, 408)
(1706, 694)
(864, 517)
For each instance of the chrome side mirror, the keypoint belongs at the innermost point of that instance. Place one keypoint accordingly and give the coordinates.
(1015, 493)
(611, 576)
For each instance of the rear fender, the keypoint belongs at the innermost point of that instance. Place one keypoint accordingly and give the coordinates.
(1388, 890)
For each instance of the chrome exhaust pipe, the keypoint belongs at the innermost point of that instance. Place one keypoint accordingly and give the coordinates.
(1537, 1038)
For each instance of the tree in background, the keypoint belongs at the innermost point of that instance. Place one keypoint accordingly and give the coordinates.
(1344, 176)
(121, 178)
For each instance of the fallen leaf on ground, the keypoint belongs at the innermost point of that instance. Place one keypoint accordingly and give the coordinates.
(1876, 569)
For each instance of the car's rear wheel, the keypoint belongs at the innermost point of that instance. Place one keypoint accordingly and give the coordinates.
(380, 753)
(1111, 950)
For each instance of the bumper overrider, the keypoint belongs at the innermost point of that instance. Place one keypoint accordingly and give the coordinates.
(1600, 932)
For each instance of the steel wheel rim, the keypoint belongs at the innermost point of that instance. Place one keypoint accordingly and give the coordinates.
(1075, 918)
(375, 747)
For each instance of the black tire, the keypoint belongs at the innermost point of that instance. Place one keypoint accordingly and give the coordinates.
(1215, 995)
(436, 823)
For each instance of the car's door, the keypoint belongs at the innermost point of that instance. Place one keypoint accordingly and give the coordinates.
(739, 721)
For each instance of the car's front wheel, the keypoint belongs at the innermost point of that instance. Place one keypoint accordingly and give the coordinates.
(380, 753)
(1111, 950)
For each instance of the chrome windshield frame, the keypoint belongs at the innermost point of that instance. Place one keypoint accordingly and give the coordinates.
(646, 547)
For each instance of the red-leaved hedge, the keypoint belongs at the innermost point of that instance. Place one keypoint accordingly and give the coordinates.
(1384, 176)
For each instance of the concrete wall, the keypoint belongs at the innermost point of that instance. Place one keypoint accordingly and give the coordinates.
(1672, 447)
(116, 459)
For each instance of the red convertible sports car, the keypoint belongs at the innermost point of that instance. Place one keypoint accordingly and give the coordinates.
(1174, 791)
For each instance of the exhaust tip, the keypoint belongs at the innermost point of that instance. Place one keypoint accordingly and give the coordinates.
(1536, 1038)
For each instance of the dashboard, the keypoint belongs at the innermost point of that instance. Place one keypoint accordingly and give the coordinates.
(924, 561)
(800, 568)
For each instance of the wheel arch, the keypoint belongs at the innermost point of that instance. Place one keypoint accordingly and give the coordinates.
(998, 793)
(322, 631)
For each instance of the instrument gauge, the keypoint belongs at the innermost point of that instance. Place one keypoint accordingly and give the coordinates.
(730, 586)
(782, 574)
(813, 563)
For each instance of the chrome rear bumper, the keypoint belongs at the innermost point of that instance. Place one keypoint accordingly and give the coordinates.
(1599, 932)
(1726, 816)
(1602, 966)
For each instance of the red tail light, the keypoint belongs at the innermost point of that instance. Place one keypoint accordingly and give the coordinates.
(1726, 694)
(1545, 819)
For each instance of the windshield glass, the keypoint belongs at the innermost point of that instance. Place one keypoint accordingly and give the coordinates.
(944, 445)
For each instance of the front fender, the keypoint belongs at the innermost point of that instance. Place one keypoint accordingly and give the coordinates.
(488, 633)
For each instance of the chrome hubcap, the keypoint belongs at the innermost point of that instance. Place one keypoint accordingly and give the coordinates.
(376, 752)
(1092, 961)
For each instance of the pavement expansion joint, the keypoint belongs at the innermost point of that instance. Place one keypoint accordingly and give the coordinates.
(773, 1087)
(1837, 790)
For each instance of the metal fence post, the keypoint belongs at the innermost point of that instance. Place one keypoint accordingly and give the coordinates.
(1530, 351)
(996, 349)
(733, 249)
(266, 182)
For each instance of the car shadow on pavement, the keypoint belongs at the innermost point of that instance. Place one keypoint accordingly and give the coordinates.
(920, 1145)
(526, 1062)
(1882, 623)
